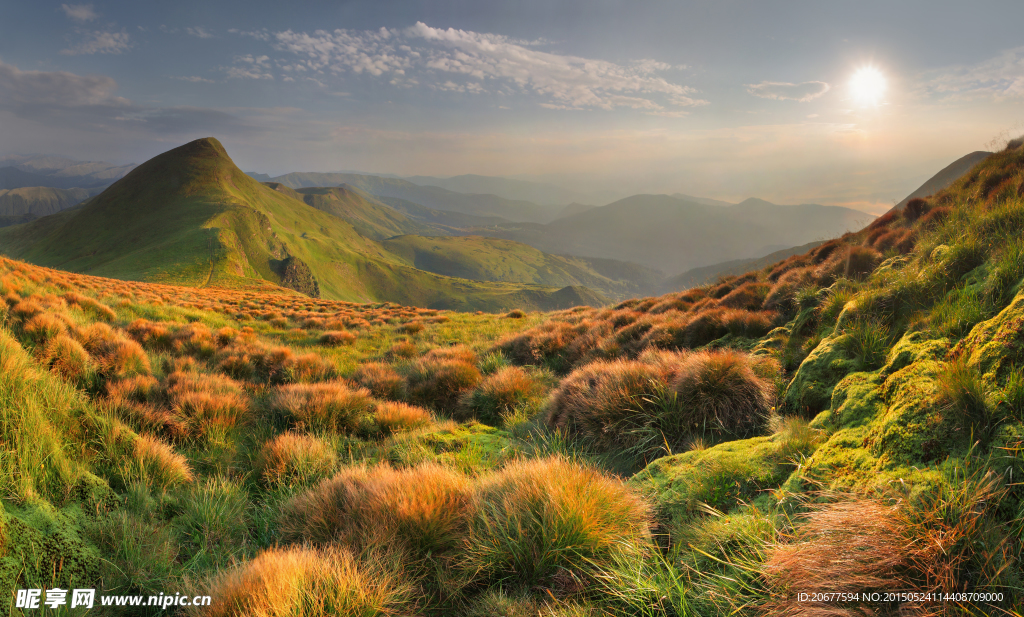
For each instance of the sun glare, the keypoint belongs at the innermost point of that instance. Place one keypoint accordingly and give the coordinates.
(868, 86)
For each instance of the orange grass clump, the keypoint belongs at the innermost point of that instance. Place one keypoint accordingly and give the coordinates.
(382, 380)
(392, 417)
(331, 407)
(302, 582)
(499, 394)
(424, 510)
(293, 458)
(439, 382)
(555, 523)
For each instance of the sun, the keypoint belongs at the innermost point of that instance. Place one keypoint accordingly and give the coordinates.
(868, 86)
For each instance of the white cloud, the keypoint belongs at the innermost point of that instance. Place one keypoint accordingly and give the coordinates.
(783, 91)
(250, 67)
(79, 12)
(19, 88)
(90, 103)
(199, 32)
(1000, 78)
(472, 62)
(195, 79)
(100, 42)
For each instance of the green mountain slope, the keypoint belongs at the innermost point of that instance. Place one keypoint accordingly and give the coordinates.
(947, 176)
(493, 259)
(191, 217)
(429, 196)
(369, 216)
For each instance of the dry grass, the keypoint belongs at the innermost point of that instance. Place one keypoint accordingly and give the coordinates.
(202, 401)
(945, 541)
(424, 511)
(439, 379)
(721, 390)
(160, 466)
(334, 338)
(607, 402)
(302, 582)
(499, 394)
(393, 417)
(67, 358)
(294, 459)
(555, 523)
(332, 407)
(380, 379)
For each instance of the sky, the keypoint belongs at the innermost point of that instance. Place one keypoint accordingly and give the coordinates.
(720, 99)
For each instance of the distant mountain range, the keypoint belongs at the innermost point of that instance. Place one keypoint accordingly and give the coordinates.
(57, 172)
(673, 235)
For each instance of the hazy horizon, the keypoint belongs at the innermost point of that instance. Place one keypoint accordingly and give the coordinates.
(727, 101)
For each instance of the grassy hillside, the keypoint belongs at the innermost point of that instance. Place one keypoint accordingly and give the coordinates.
(847, 421)
(492, 259)
(946, 176)
(191, 217)
(708, 274)
(368, 216)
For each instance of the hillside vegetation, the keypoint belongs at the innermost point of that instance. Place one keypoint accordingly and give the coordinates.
(847, 421)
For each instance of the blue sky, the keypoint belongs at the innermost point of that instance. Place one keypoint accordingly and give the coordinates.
(720, 99)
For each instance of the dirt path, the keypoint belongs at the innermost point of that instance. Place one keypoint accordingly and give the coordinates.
(213, 262)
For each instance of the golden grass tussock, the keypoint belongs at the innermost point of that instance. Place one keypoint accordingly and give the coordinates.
(249, 359)
(725, 390)
(25, 309)
(303, 582)
(424, 511)
(556, 523)
(91, 305)
(748, 296)
(413, 327)
(335, 338)
(499, 394)
(150, 334)
(160, 466)
(392, 417)
(332, 407)
(138, 389)
(853, 262)
(294, 459)
(44, 326)
(66, 357)
(308, 368)
(458, 353)
(202, 400)
(404, 350)
(380, 379)
(124, 358)
(607, 401)
(439, 382)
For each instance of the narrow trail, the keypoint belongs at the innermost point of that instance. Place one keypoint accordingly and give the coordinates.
(213, 264)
